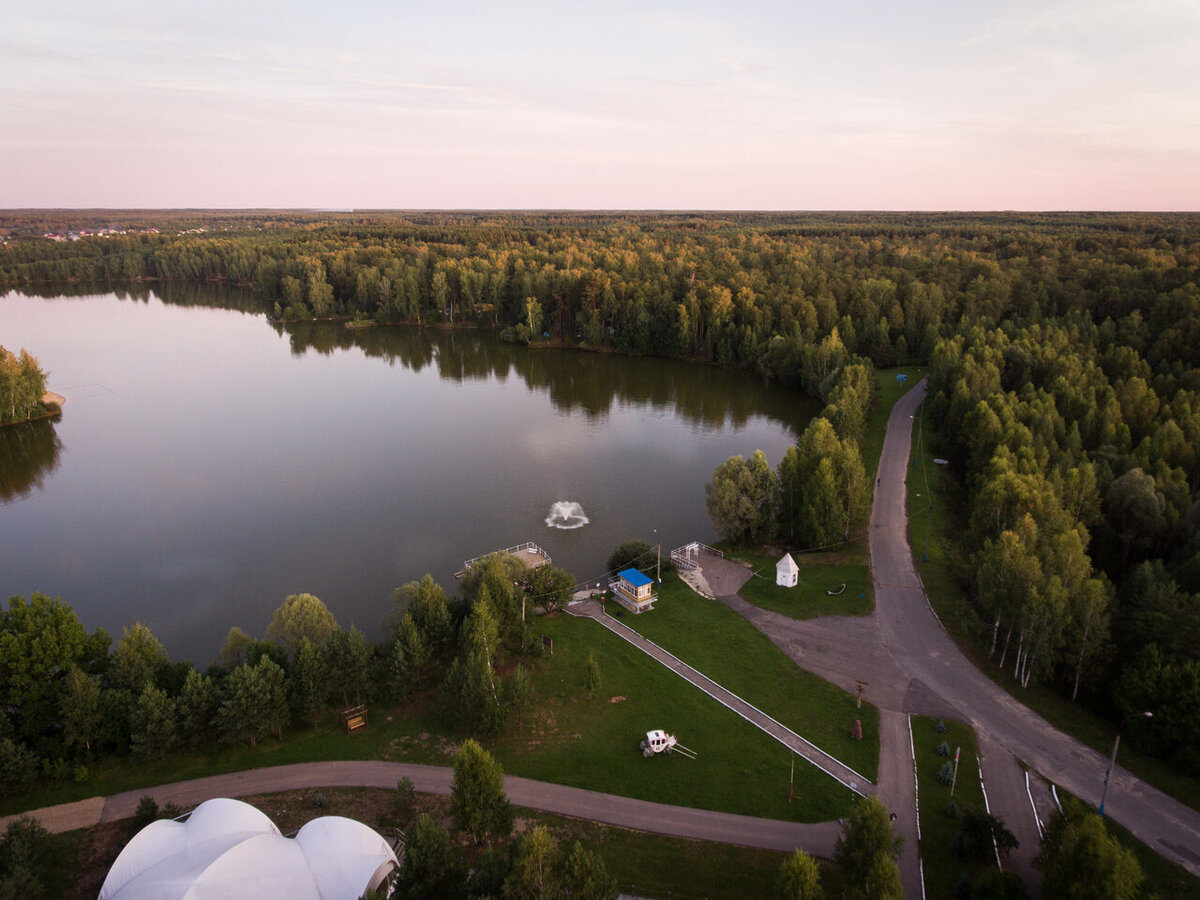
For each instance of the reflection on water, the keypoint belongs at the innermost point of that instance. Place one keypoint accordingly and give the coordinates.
(29, 454)
(575, 381)
(210, 462)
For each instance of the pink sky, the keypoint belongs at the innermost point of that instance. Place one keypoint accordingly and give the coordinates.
(935, 105)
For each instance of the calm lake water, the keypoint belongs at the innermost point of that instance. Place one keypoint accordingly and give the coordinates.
(208, 463)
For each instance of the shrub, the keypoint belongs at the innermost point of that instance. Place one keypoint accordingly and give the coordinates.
(943, 749)
(945, 774)
(940, 727)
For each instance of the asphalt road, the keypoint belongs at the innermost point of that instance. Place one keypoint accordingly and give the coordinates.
(912, 666)
(922, 649)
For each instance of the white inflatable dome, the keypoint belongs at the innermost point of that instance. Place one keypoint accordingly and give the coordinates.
(227, 849)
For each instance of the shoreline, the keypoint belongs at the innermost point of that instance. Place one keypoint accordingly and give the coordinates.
(48, 398)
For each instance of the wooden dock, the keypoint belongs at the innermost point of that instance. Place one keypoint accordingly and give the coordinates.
(529, 553)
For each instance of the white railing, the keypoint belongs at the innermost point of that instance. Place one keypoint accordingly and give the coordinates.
(686, 556)
(520, 548)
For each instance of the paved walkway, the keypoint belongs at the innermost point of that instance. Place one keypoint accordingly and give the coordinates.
(831, 766)
(641, 815)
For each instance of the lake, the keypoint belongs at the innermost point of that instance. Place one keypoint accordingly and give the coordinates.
(209, 462)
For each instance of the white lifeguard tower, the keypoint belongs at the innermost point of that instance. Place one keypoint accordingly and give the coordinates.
(787, 573)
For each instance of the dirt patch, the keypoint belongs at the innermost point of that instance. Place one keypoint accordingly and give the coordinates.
(620, 698)
(98, 848)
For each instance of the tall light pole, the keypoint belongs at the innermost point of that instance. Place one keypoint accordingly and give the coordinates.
(658, 560)
(1113, 761)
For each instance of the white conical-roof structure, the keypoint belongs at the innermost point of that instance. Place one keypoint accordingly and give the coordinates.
(787, 573)
(227, 849)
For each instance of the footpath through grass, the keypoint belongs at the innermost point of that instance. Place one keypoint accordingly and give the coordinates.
(935, 503)
(713, 639)
(941, 819)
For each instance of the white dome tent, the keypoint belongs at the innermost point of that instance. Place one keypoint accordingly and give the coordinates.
(227, 849)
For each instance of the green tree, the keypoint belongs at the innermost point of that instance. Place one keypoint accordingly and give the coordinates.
(154, 728)
(799, 878)
(433, 868)
(429, 607)
(471, 686)
(80, 708)
(245, 713)
(537, 867)
(980, 832)
(346, 656)
(741, 498)
(550, 587)
(28, 854)
(40, 639)
(198, 704)
(236, 648)
(883, 880)
(586, 877)
(477, 799)
(310, 680)
(274, 686)
(630, 553)
(22, 386)
(1080, 859)
(866, 834)
(136, 658)
(301, 616)
(519, 695)
(410, 660)
(18, 768)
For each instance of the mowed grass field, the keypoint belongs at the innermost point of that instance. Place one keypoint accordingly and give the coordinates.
(710, 637)
(844, 571)
(592, 742)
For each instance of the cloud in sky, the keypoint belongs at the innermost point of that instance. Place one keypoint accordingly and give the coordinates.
(624, 105)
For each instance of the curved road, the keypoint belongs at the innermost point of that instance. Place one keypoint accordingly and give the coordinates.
(912, 666)
(642, 815)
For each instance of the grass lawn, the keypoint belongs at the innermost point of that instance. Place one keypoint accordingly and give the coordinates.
(587, 743)
(819, 573)
(942, 869)
(718, 642)
(933, 505)
(593, 742)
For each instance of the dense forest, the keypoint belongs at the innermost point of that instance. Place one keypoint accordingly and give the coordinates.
(1062, 351)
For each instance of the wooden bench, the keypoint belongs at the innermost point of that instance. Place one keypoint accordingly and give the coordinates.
(355, 718)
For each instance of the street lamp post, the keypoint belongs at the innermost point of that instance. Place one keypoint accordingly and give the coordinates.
(1113, 761)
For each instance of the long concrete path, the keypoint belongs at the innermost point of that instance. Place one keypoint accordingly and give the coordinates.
(830, 765)
(642, 815)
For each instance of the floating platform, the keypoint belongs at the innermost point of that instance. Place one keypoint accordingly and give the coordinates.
(529, 553)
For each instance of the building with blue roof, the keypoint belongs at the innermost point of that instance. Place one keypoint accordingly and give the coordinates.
(633, 590)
